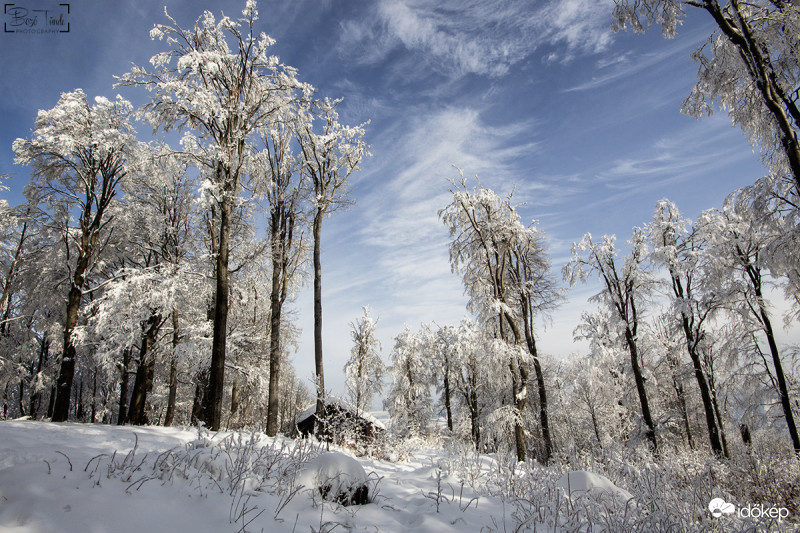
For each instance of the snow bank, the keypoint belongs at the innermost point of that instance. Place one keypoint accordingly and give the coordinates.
(580, 482)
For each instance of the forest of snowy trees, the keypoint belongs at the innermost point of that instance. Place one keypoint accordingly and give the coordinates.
(148, 283)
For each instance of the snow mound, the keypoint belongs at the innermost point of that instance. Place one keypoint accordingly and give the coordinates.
(580, 482)
(337, 476)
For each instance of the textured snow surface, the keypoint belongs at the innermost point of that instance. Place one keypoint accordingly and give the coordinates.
(40, 492)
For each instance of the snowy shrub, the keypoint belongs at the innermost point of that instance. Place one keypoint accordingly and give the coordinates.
(337, 477)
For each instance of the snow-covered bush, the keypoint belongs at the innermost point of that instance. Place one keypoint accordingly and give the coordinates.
(337, 477)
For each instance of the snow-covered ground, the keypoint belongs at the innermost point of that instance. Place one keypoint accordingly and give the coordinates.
(96, 478)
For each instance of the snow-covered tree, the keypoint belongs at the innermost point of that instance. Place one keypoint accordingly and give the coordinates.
(331, 152)
(677, 247)
(624, 291)
(218, 83)
(409, 400)
(364, 370)
(737, 240)
(506, 274)
(283, 198)
(750, 66)
(79, 153)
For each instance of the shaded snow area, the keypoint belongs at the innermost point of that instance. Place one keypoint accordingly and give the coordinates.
(74, 478)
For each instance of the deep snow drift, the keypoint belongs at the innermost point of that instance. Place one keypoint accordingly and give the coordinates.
(77, 478)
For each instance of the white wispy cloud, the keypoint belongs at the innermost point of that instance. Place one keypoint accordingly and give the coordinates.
(477, 37)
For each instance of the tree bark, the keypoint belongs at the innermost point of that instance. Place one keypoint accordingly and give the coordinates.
(216, 380)
(66, 372)
(650, 432)
(274, 345)
(144, 372)
(173, 372)
(123, 388)
(36, 394)
(537, 368)
(447, 408)
(783, 389)
(318, 361)
(200, 392)
(680, 394)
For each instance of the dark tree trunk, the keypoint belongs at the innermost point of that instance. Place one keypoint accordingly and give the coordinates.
(447, 407)
(20, 404)
(519, 381)
(200, 391)
(67, 371)
(783, 389)
(51, 402)
(79, 408)
(122, 417)
(173, 372)
(144, 372)
(474, 418)
(216, 383)
(274, 346)
(718, 414)
(318, 361)
(680, 394)
(281, 227)
(544, 419)
(94, 395)
(595, 426)
(36, 395)
(638, 377)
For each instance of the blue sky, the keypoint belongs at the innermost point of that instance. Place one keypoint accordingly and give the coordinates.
(540, 95)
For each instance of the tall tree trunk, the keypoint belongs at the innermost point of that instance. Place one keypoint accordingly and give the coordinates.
(447, 408)
(94, 394)
(274, 343)
(173, 371)
(650, 432)
(216, 383)
(702, 383)
(718, 414)
(519, 385)
(144, 372)
(79, 407)
(783, 389)
(544, 419)
(474, 418)
(51, 402)
(200, 392)
(122, 417)
(66, 372)
(680, 395)
(318, 361)
(234, 398)
(36, 394)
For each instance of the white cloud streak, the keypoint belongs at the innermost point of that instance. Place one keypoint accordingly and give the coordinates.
(477, 37)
